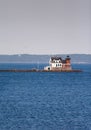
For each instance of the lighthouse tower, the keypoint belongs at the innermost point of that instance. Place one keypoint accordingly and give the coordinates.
(68, 63)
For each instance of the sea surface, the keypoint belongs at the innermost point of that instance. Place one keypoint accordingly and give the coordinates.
(45, 100)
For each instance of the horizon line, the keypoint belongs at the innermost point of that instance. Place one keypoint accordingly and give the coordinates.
(48, 54)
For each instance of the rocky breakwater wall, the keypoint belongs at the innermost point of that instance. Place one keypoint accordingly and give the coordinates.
(36, 70)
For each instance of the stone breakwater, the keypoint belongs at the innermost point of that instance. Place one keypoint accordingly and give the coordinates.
(36, 70)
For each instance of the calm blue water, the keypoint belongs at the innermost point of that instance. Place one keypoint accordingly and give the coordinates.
(45, 101)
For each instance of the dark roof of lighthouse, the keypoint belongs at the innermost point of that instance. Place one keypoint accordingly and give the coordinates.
(68, 58)
(56, 58)
(59, 58)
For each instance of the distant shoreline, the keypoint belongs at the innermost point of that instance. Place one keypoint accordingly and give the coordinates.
(36, 63)
(27, 58)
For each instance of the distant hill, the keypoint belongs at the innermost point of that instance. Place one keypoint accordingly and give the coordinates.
(25, 58)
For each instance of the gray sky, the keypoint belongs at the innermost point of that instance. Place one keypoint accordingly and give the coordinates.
(45, 26)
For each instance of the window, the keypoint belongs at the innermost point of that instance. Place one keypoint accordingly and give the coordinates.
(48, 68)
(60, 65)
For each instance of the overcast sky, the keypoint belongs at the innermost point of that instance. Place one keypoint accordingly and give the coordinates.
(45, 26)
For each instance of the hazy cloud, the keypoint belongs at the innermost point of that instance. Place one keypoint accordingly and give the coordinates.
(45, 26)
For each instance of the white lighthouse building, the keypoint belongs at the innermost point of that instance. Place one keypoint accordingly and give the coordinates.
(58, 64)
